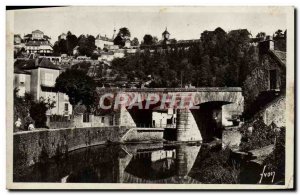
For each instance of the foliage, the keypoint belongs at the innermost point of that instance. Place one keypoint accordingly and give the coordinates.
(148, 40)
(27, 105)
(276, 160)
(77, 85)
(86, 45)
(71, 42)
(260, 35)
(122, 36)
(38, 111)
(215, 168)
(261, 136)
(135, 42)
(221, 59)
(65, 46)
(94, 56)
(82, 66)
(60, 47)
(124, 32)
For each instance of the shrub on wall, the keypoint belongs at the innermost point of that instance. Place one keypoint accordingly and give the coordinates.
(215, 168)
(276, 161)
(24, 105)
(261, 135)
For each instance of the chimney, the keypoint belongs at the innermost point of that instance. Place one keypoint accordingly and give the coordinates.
(265, 45)
(36, 57)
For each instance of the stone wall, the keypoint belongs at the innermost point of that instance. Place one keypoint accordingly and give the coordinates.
(275, 112)
(259, 80)
(143, 134)
(31, 147)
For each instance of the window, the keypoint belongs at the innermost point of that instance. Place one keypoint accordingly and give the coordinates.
(86, 117)
(66, 107)
(102, 119)
(273, 79)
(49, 79)
(22, 78)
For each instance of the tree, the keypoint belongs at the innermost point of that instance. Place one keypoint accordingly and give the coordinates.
(135, 42)
(78, 86)
(124, 33)
(148, 39)
(279, 33)
(155, 40)
(119, 41)
(86, 45)
(38, 111)
(71, 42)
(122, 36)
(24, 105)
(260, 35)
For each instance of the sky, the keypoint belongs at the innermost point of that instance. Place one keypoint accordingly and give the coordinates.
(181, 22)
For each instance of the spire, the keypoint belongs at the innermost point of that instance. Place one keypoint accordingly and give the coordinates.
(113, 37)
(166, 32)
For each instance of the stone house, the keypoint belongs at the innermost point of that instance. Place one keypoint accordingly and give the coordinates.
(264, 88)
(103, 41)
(37, 77)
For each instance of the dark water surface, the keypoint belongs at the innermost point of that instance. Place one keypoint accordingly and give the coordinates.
(139, 163)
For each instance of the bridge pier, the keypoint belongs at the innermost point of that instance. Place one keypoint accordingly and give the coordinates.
(182, 126)
(186, 126)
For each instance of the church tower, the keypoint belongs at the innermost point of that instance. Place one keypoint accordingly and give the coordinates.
(165, 35)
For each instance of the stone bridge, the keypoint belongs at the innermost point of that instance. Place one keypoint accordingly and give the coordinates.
(207, 111)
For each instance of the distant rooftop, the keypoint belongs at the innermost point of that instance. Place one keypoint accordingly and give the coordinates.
(31, 64)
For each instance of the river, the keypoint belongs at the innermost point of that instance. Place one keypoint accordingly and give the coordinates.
(141, 163)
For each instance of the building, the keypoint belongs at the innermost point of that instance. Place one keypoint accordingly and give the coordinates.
(37, 77)
(166, 43)
(18, 43)
(265, 86)
(127, 43)
(37, 42)
(76, 50)
(166, 37)
(62, 36)
(165, 118)
(103, 42)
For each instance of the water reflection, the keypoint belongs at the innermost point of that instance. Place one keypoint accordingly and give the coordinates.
(142, 163)
(135, 163)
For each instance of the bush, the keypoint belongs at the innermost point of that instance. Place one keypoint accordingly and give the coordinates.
(215, 168)
(276, 161)
(261, 136)
(27, 105)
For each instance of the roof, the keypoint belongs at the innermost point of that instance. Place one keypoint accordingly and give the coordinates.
(17, 35)
(99, 37)
(240, 30)
(280, 56)
(31, 64)
(30, 36)
(37, 31)
(165, 32)
(37, 42)
(46, 37)
(20, 71)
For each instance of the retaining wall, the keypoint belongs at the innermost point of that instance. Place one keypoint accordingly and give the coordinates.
(31, 147)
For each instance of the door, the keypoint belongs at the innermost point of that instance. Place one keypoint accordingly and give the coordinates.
(273, 79)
